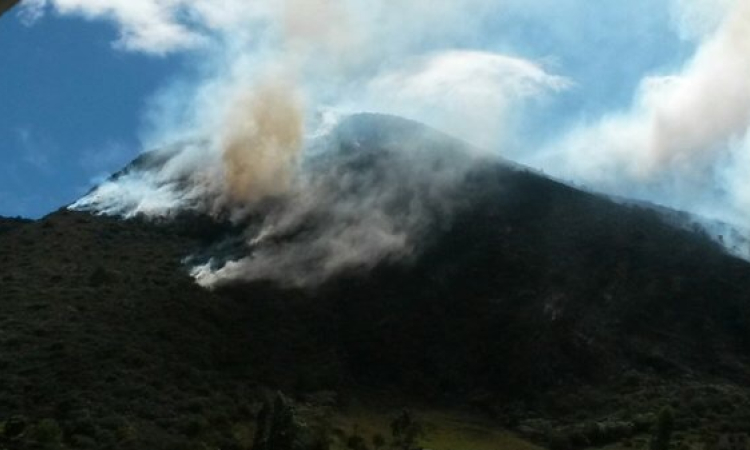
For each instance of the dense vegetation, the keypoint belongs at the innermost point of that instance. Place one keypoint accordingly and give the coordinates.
(556, 313)
(8, 224)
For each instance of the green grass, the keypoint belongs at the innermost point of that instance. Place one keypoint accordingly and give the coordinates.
(444, 430)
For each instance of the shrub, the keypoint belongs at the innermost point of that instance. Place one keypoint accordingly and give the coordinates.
(100, 277)
(559, 441)
(193, 426)
(356, 442)
(664, 427)
(378, 441)
(406, 431)
(14, 427)
(47, 433)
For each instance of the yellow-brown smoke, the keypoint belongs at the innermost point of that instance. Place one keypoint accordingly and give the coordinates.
(261, 143)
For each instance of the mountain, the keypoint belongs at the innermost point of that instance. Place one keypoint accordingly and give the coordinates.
(8, 224)
(538, 305)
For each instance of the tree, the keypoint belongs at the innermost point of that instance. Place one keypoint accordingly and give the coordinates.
(406, 431)
(664, 427)
(378, 441)
(279, 429)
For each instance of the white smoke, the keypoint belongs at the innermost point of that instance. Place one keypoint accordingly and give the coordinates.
(682, 142)
(354, 209)
(457, 65)
(469, 94)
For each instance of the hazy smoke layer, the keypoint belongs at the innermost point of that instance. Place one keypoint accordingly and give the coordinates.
(375, 193)
(657, 110)
(677, 121)
(684, 140)
(470, 94)
(277, 78)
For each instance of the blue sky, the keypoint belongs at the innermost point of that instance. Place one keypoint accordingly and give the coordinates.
(70, 109)
(71, 104)
(607, 94)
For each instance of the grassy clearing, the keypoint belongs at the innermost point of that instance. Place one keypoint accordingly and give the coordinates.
(443, 430)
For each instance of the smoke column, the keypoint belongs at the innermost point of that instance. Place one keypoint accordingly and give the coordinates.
(262, 141)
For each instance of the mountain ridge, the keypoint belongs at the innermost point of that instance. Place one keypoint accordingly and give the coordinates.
(534, 300)
(557, 231)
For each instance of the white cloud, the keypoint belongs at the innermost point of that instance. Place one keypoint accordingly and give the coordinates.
(696, 19)
(674, 143)
(470, 94)
(154, 26)
(147, 25)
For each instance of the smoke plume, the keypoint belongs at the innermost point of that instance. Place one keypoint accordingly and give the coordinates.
(655, 110)
(261, 143)
(683, 141)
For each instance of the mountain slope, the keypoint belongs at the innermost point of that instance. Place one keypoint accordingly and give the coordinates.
(528, 281)
(542, 280)
(5, 5)
(102, 329)
(8, 224)
(531, 292)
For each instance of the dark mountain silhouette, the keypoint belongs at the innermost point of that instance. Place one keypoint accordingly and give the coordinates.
(5, 5)
(8, 224)
(535, 299)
